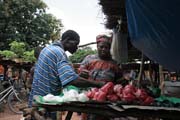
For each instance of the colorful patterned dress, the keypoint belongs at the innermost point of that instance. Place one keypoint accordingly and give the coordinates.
(101, 70)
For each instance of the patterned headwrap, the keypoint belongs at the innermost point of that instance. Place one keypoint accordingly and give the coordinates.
(103, 38)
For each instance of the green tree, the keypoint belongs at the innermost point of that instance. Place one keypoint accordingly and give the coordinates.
(27, 21)
(28, 56)
(18, 48)
(7, 54)
(81, 54)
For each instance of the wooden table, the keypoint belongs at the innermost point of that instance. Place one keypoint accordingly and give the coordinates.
(114, 110)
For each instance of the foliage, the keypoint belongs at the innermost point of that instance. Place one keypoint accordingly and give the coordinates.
(18, 48)
(7, 54)
(28, 56)
(27, 21)
(81, 54)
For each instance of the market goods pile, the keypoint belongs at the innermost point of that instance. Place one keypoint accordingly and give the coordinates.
(128, 94)
(69, 94)
(109, 92)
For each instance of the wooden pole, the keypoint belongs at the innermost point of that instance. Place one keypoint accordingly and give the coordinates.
(161, 77)
(141, 70)
(91, 43)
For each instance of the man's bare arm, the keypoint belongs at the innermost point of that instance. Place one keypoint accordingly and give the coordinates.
(81, 82)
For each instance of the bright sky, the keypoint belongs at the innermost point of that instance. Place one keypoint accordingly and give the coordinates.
(83, 16)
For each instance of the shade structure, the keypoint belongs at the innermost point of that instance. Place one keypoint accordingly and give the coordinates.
(154, 29)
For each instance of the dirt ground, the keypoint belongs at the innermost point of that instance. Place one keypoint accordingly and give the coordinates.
(8, 115)
(75, 116)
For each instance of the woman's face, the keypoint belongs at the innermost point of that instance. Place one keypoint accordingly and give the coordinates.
(103, 49)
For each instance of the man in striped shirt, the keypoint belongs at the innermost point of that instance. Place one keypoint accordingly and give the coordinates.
(53, 71)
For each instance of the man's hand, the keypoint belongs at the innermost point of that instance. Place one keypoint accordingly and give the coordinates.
(84, 74)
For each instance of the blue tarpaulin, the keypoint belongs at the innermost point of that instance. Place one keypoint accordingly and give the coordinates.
(154, 29)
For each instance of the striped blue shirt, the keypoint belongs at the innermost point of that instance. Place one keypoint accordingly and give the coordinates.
(52, 72)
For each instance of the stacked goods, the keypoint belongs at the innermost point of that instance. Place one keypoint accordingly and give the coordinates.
(128, 94)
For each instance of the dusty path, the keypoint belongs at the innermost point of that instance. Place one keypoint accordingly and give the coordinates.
(8, 115)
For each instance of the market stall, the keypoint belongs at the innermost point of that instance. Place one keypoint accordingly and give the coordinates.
(131, 101)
